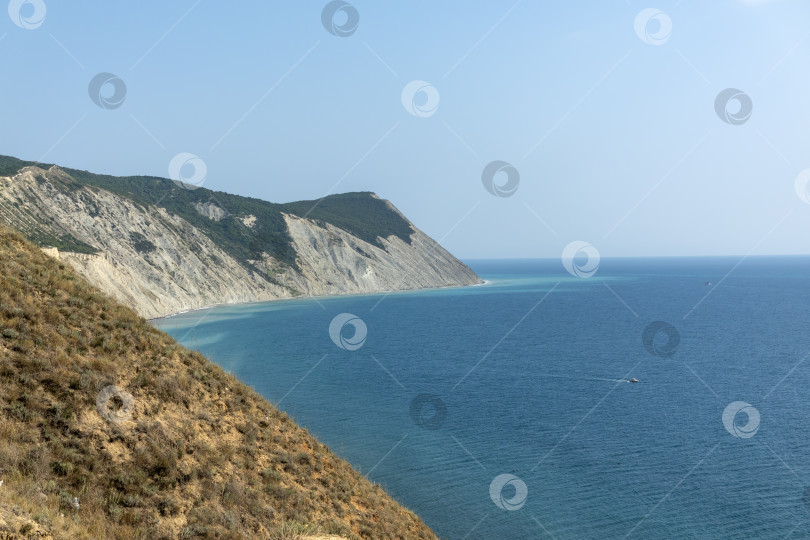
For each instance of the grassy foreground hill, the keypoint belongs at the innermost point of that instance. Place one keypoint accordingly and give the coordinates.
(179, 450)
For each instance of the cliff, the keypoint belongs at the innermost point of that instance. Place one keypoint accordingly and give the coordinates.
(161, 248)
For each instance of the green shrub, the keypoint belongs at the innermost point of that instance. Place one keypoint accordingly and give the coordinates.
(10, 333)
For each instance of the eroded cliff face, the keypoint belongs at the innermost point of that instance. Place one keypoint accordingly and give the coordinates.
(160, 264)
(333, 261)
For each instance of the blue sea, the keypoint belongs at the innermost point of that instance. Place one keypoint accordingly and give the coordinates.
(505, 410)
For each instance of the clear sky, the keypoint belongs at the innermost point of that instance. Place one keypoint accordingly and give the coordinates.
(606, 112)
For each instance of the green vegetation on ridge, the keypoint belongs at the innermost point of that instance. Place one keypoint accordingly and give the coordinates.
(360, 214)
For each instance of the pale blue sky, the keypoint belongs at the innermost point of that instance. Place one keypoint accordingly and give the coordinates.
(616, 140)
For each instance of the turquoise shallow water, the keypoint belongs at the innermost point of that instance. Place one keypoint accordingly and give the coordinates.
(526, 376)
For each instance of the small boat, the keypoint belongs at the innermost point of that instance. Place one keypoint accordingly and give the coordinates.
(708, 283)
(633, 380)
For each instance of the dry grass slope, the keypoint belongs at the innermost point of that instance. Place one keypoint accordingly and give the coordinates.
(201, 456)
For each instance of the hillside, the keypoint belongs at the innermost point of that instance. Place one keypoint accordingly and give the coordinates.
(161, 247)
(151, 439)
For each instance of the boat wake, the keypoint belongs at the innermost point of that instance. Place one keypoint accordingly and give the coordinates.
(581, 378)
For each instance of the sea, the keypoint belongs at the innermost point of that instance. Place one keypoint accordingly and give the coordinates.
(506, 410)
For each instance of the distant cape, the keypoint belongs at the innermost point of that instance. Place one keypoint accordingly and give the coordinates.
(162, 247)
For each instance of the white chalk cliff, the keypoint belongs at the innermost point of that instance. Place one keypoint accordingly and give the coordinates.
(159, 263)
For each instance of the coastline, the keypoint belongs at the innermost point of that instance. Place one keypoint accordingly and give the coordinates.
(325, 296)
